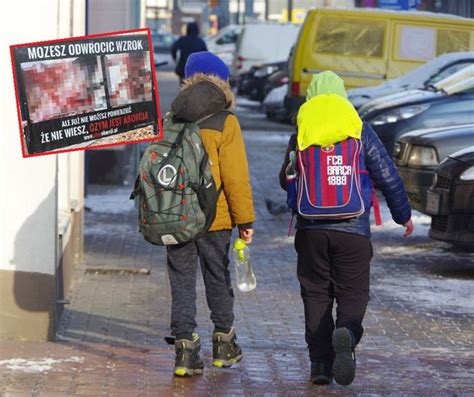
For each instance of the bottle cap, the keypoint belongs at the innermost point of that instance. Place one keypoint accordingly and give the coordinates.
(239, 244)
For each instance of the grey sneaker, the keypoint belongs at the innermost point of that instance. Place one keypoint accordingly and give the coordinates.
(188, 362)
(225, 350)
(344, 367)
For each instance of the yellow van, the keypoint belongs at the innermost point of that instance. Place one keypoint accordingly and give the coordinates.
(367, 46)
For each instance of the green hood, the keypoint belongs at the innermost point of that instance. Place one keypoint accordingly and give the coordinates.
(325, 120)
(327, 117)
(326, 83)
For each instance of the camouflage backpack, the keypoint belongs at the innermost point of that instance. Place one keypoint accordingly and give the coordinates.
(175, 190)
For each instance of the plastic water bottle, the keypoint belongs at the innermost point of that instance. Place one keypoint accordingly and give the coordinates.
(291, 168)
(244, 276)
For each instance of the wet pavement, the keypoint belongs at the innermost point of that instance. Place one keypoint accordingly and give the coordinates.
(419, 332)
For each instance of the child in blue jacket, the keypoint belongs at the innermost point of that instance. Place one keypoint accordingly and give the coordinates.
(334, 256)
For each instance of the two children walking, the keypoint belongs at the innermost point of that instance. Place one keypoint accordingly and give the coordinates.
(333, 255)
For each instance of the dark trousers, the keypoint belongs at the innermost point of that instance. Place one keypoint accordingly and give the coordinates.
(332, 266)
(212, 250)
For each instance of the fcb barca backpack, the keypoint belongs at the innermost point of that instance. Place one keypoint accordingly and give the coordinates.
(329, 182)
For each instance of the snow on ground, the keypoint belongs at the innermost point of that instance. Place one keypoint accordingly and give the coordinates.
(421, 222)
(240, 101)
(41, 365)
(115, 200)
(265, 137)
(279, 241)
(253, 116)
(428, 275)
(428, 294)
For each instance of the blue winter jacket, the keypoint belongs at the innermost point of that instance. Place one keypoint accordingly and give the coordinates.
(384, 175)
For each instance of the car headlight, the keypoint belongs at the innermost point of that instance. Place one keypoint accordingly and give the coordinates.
(396, 149)
(399, 114)
(423, 156)
(467, 175)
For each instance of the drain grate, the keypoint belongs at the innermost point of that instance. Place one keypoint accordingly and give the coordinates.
(104, 271)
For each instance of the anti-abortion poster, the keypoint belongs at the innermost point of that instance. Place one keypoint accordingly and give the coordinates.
(86, 92)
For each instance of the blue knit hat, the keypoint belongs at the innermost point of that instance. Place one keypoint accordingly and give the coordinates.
(207, 63)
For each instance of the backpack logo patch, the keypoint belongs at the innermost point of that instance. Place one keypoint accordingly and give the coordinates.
(327, 149)
(167, 175)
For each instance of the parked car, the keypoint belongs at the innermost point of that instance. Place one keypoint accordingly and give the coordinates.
(273, 105)
(258, 82)
(417, 153)
(450, 200)
(449, 102)
(275, 80)
(263, 43)
(162, 42)
(422, 77)
(368, 46)
(223, 43)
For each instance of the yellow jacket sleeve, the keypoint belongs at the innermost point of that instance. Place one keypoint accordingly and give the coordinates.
(235, 179)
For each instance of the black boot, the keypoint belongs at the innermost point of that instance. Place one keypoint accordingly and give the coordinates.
(321, 372)
(344, 367)
(188, 362)
(225, 350)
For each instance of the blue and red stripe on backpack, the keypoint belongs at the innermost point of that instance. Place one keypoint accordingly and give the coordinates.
(331, 182)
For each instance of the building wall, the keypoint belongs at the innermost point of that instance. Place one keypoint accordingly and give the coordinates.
(112, 15)
(464, 8)
(33, 189)
(107, 165)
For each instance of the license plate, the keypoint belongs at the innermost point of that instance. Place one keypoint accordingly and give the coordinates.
(432, 203)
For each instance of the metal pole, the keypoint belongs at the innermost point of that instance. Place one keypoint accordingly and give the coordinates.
(248, 9)
(290, 11)
(224, 13)
(267, 4)
(238, 12)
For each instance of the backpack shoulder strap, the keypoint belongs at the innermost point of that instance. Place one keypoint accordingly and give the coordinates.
(215, 121)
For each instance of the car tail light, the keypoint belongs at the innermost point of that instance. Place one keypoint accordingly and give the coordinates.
(295, 89)
(240, 59)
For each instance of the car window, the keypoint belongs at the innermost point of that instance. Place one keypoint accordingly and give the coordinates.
(461, 79)
(463, 89)
(447, 72)
(452, 41)
(227, 38)
(350, 36)
(168, 39)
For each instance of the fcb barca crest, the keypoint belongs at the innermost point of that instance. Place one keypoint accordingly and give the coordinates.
(327, 149)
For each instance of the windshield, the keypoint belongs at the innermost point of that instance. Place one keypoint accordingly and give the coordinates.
(446, 72)
(460, 78)
(227, 35)
(465, 86)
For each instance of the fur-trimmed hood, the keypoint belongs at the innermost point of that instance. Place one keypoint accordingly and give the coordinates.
(202, 95)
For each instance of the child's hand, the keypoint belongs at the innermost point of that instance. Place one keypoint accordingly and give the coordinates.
(246, 235)
(408, 228)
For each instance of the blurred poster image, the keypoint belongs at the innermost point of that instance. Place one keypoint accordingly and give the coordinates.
(86, 92)
(129, 78)
(64, 87)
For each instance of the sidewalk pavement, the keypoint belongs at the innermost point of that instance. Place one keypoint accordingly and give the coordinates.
(418, 341)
